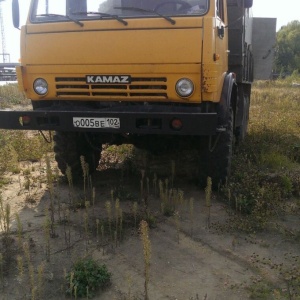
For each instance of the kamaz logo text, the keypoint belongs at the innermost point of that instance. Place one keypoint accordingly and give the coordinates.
(116, 79)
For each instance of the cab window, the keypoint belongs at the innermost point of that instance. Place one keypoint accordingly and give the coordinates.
(220, 10)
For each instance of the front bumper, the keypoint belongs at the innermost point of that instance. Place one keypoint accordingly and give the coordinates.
(132, 121)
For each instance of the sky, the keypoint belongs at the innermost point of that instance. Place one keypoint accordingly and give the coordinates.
(285, 12)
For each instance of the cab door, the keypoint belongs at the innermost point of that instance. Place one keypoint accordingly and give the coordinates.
(221, 40)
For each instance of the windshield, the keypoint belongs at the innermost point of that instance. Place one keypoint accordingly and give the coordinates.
(74, 10)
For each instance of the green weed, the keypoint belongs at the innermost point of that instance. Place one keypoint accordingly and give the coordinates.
(144, 231)
(86, 277)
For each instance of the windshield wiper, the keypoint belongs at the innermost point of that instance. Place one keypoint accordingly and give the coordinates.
(147, 11)
(102, 15)
(64, 16)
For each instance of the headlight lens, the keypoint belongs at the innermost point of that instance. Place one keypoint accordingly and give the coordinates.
(40, 86)
(184, 87)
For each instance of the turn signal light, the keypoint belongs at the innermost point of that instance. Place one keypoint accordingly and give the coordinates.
(216, 56)
(176, 124)
(24, 120)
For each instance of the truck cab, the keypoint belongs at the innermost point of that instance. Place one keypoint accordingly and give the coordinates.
(125, 50)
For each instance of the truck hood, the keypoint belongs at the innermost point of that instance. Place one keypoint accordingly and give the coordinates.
(109, 42)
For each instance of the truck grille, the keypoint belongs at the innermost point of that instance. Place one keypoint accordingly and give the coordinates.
(152, 87)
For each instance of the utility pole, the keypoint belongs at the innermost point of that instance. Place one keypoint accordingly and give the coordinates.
(4, 54)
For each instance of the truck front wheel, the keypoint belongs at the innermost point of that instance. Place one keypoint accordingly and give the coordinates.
(70, 146)
(216, 156)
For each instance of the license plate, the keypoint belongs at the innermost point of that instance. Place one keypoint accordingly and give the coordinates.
(96, 122)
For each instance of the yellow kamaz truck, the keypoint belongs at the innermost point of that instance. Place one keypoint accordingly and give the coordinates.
(159, 74)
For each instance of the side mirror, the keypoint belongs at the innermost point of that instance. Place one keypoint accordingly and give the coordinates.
(16, 13)
(248, 3)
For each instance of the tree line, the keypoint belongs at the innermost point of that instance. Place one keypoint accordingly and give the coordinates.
(287, 49)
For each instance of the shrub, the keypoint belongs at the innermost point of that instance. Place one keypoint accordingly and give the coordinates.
(86, 277)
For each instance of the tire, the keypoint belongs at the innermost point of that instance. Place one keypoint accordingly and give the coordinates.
(69, 146)
(216, 157)
(241, 131)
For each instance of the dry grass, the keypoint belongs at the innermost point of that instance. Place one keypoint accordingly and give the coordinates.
(266, 172)
(11, 96)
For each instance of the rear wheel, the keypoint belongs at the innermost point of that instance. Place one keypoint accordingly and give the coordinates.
(241, 131)
(70, 146)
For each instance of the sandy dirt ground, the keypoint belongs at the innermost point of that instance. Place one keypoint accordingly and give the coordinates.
(194, 254)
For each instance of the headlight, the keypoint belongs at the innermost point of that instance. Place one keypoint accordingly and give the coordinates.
(184, 87)
(40, 86)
